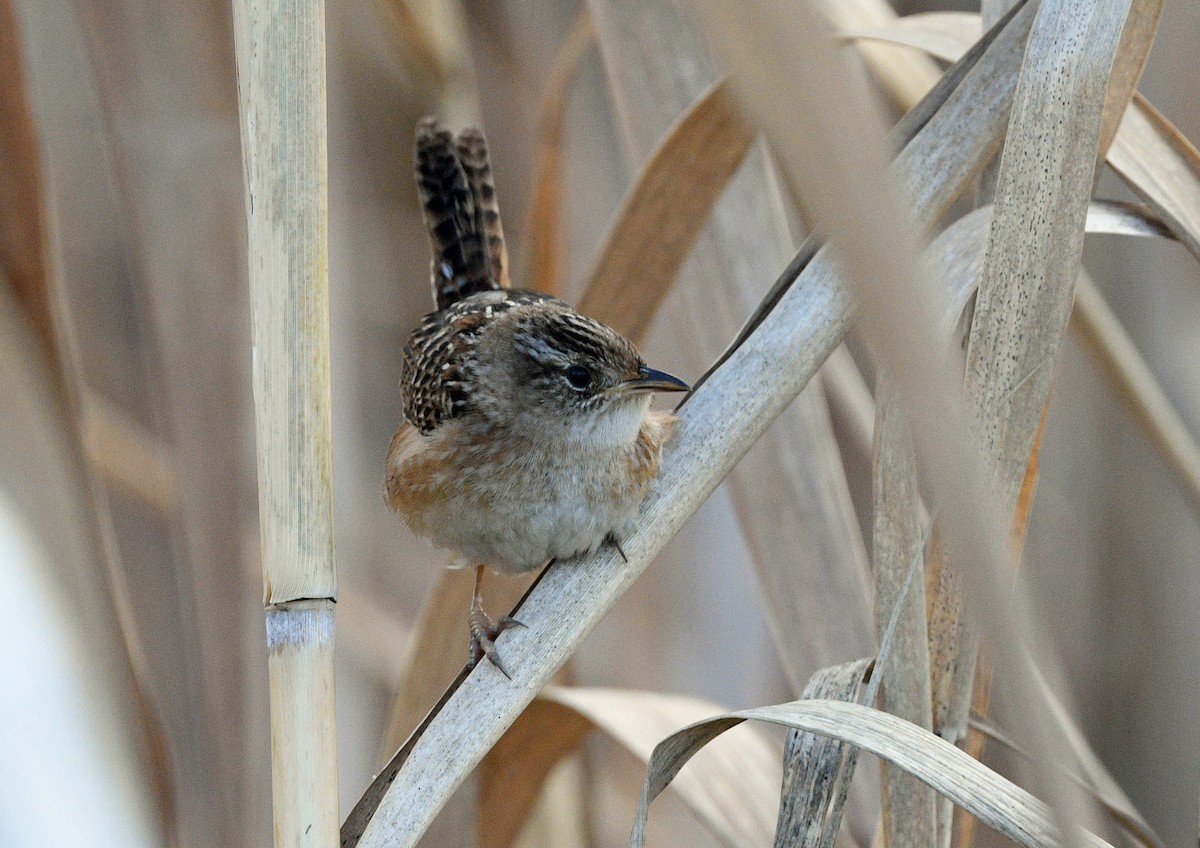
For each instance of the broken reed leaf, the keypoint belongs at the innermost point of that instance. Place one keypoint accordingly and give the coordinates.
(817, 770)
(997, 802)
(797, 328)
(542, 262)
(663, 214)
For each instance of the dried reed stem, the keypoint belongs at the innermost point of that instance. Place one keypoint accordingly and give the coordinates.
(281, 75)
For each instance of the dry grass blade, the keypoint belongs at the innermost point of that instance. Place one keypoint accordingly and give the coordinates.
(906, 76)
(542, 265)
(804, 323)
(1026, 288)
(817, 770)
(945, 35)
(1162, 166)
(908, 808)
(992, 799)
(661, 218)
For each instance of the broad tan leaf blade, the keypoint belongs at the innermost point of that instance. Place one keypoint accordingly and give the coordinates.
(817, 770)
(513, 773)
(661, 218)
(1027, 285)
(732, 792)
(998, 803)
(719, 423)
(542, 259)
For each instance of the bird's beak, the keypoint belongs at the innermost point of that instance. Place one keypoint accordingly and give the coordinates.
(650, 380)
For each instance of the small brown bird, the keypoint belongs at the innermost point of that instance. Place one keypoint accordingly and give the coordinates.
(529, 435)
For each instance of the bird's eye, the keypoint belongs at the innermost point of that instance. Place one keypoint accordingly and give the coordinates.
(579, 377)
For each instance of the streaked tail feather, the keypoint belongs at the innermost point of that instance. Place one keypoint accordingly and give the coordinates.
(473, 154)
(459, 206)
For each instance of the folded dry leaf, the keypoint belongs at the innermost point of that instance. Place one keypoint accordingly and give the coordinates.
(997, 802)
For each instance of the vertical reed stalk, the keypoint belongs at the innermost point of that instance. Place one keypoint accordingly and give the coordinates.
(281, 81)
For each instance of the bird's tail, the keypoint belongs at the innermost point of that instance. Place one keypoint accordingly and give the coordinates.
(458, 199)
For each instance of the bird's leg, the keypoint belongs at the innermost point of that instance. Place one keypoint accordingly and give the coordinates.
(484, 631)
(612, 539)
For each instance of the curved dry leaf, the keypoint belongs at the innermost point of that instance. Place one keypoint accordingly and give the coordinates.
(1162, 166)
(1148, 151)
(542, 259)
(733, 792)
(907, 76)
(663, 214)
(997, 802)
(945, 35)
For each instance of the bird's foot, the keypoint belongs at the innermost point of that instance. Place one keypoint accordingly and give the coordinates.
(484, 633)
(612, 539)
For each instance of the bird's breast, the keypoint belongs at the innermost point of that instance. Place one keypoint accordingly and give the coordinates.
(515, 505)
